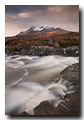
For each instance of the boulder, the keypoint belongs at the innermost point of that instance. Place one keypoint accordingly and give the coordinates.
(14, 53)
(20, 46)
(33, 47)
(56, 45)
(50, 42)
(71, 51)
(70, 106)
(8, 52)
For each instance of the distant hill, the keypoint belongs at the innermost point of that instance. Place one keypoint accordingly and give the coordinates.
(34, 32)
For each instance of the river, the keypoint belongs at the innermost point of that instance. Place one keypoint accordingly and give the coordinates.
(29, 80)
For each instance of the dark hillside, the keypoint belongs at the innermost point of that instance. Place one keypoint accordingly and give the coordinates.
(64, 40)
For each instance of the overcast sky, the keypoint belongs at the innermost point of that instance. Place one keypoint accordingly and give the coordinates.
(21, 17)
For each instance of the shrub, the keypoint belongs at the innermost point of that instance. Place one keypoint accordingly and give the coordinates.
(13, 43)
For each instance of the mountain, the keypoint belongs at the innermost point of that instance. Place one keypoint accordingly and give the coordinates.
(42, 31)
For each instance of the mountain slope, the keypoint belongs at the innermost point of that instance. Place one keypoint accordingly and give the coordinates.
(42, 31)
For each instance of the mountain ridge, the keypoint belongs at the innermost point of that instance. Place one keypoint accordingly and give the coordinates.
(34, 32)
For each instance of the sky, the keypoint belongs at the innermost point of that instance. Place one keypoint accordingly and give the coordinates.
(21, 17)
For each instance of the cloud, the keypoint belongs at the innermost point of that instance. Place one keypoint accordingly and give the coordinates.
(21, 17)
(24, 15)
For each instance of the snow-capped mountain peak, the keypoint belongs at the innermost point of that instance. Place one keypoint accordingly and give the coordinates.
(42, 27)
(37, 32)
(32, 27)
(39, 29)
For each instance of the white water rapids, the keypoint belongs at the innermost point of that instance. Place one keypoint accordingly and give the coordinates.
(29, 81)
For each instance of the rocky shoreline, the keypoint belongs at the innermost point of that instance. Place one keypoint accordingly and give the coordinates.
(45, 50)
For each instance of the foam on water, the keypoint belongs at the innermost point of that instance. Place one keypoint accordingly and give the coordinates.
(31, 83)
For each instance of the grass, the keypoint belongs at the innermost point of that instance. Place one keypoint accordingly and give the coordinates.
(72, 39)
(68, 43)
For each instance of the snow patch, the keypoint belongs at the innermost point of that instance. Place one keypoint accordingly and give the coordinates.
(38, 29)
(49, 27)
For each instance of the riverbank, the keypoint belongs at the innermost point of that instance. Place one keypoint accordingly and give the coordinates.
(45, 50)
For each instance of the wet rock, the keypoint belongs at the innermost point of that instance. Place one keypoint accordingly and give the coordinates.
(70, 106)
(14, 53)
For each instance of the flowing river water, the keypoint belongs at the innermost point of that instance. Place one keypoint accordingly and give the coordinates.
(29, 80)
